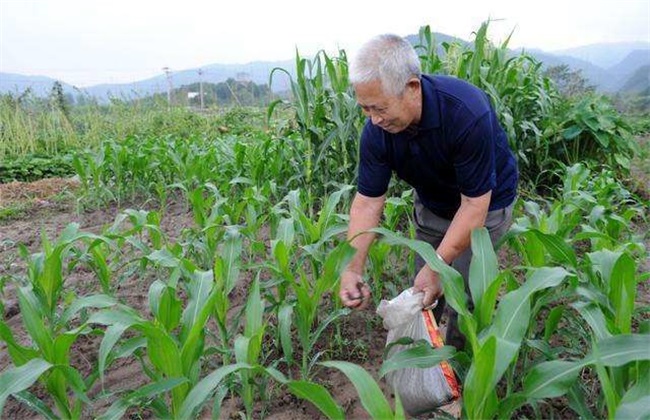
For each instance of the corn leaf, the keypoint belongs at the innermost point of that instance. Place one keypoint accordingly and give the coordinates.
(372, 398)
(317, 395)
(118, 408)
(483, 268)
(17, 379)
(452, 281)
(622, 293)
(94, 301)
(284, 324)
(480, 381)
(421, 356)
(202, 390)
(29, 400)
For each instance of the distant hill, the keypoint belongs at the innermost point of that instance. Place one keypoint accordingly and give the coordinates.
(596, 75)
(606, 66)
(637, 82)
(39, 85)
(603, 55)
(629, 67)
(257, 72)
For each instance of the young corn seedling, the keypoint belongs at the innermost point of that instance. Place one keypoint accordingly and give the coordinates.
(611, 356)
(372, 398)
(47, 318)
(248, 348)
(309, 294)
(173, 359)
(489, 332)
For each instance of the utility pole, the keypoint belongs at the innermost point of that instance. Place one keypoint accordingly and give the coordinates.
(201, 87)
(168, 74)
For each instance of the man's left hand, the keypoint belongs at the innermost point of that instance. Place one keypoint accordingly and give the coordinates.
(428, 281)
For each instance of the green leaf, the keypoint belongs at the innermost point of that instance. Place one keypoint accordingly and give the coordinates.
(111, 336)
(31, 312)
(19, 354)
(163, 258)
(489, 300)
(421, 356)
(202, 390)
(118, 408)
(231, 254)
(622, 349)
(284, 324)
(94, 301)
(592, 313)
(634, 410)
(555, 245)
(480, 381)
(317, 395)
(192, 345)
(571, 132)
(483, 267)
(372, 398)
(551, 379)
(578, 401)
(603, 262)
(452, 282)
(164, 304)
(254, 310)
(622, 292)
(17, 379)
(552, 320)
(511, 320)
(635, 402)
(29, 400)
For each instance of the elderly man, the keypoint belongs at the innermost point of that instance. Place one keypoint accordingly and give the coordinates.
(440, 135)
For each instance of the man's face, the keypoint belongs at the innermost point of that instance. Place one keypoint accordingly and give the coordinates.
(391, 113)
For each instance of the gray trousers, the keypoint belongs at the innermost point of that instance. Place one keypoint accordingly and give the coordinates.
(431, 228)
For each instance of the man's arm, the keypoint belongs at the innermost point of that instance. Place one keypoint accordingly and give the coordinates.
(365, 214)
(471, 215)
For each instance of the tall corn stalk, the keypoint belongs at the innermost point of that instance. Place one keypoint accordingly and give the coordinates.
(328, 119)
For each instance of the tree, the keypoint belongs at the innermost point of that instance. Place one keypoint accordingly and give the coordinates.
(58, 99)
(569, 82)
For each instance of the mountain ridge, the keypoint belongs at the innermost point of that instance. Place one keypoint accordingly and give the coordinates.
(608, 80)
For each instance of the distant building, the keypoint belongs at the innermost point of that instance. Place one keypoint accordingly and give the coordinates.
(243, 77)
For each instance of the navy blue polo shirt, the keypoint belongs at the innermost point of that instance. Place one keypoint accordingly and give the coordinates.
(457, 148)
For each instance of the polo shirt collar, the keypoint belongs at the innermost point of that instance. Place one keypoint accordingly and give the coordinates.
(430, 106)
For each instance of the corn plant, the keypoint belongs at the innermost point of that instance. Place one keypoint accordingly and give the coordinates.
(545, 234)
(382, 257)
(489, 330)
(620, 353)
(170, 357)
(226, 271)
(372, 398)
(329, 120)
(47, 317)
(248, 348)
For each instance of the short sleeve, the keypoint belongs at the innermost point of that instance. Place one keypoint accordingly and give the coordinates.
(374, 168)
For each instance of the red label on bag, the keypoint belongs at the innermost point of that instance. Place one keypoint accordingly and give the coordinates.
(436, 340)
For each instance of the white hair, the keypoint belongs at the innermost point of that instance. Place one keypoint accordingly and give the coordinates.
(388, 58)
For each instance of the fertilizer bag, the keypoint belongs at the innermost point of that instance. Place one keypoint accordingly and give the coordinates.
(420, 389)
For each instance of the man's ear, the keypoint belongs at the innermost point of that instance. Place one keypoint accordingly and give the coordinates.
(413, 84)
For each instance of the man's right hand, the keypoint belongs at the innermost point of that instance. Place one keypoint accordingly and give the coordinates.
(354, 292)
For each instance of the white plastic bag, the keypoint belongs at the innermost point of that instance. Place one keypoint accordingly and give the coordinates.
(420, 389)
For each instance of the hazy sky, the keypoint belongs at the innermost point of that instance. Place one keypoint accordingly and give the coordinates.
(85, 42)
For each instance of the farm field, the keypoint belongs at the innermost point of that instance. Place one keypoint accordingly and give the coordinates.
(186, 264)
